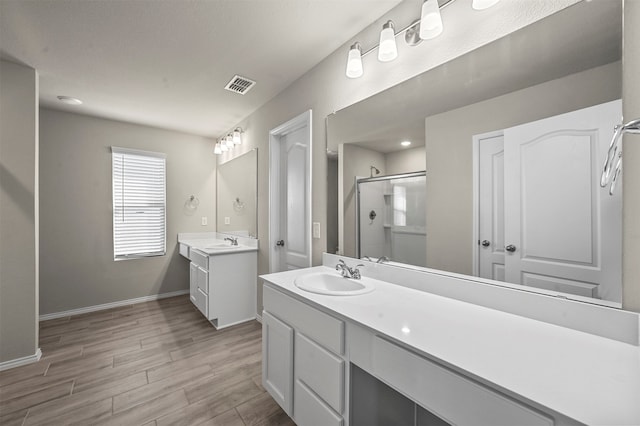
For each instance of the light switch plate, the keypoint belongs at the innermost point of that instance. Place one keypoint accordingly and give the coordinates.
(227, 220)
(316, 229)
(204, 221)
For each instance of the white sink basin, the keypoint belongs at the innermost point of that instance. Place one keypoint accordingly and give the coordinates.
(216, 247)
(220, 246)
(333, 284)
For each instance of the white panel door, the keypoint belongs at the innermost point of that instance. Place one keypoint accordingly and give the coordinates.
(293, 208)
(491, 209)
(561, 231)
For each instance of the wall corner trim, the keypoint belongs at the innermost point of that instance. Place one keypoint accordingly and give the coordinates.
(18, 362)
(104, 306)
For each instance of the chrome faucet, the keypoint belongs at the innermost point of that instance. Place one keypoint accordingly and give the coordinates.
(234, 241)
(382, 259)
(348, 272)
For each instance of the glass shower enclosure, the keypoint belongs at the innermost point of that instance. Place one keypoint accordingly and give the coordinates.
(391, 218)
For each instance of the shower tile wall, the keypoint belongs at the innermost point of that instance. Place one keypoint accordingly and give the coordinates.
(372, 232)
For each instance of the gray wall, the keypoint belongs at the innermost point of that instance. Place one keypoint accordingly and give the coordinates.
(18, 211)
(405, 161)
(76, 242)
(449, 153)
(631, 159)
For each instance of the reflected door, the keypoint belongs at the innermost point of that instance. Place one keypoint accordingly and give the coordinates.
(491, 209)
(562, 232)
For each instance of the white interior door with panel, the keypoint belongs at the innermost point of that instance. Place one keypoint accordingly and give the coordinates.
(491, 207)
(562, 232)
(290, 194)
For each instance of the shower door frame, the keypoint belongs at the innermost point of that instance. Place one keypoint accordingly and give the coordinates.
(376, 179)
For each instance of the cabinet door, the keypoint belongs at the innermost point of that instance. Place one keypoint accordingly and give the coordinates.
(277, 361)
(193, 281)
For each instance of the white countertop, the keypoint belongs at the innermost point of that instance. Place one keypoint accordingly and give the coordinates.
(591, 379)
(205, 241)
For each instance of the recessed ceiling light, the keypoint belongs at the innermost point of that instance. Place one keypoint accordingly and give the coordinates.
(69, 100)
(405, 143)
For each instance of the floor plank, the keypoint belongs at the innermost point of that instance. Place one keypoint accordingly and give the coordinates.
(154, 363)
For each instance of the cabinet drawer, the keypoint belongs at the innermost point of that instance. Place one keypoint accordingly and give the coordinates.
(454, 398)
(202, 302)
(320, 370)
(184, 250)
(200, 259)
(321, 327)
(202, 281)
(309, 410)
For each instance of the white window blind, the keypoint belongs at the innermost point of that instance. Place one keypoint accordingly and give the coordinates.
(139, 208)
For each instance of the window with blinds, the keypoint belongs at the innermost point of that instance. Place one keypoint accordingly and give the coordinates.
(139, 208)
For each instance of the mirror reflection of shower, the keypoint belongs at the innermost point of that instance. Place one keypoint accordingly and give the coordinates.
(391, 218)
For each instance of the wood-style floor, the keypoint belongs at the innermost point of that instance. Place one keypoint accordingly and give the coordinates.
(155, 363)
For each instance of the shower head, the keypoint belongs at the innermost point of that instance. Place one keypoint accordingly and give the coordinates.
(374, 168)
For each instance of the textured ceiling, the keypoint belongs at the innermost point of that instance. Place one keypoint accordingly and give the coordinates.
(165, 63)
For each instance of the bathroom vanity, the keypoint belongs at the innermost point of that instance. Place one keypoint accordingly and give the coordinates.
(222, 276)
(427, 348)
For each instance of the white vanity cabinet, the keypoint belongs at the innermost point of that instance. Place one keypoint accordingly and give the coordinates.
(304, 366)
(223, 286)
(309, 357)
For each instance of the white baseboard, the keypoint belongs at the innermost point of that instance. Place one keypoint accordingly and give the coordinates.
(21, 361)
(102, 307)
(259, 318)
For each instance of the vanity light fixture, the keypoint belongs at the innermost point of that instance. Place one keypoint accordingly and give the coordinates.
(430, 20)
(388, 49)
(429, 26)
(229, 141)
(237, 136)
(354, 62)
(405, 143)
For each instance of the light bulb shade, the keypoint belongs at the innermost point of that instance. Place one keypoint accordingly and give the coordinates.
(237, 136)
(217, 150)
(229, 141)
(223, 146)
(354, 62)
(430, 20)
(483, 4)
(387, 50)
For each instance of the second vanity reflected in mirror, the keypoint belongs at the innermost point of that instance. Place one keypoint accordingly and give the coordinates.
(236, 200)
(512, 136)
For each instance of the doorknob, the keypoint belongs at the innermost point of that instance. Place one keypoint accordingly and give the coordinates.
(280, 243)
(510, 248)
(486, 243)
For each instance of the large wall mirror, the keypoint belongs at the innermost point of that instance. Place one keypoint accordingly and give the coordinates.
(237, 195)
(512, 137)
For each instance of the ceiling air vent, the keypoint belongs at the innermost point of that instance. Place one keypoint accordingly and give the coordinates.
(239, 85)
